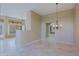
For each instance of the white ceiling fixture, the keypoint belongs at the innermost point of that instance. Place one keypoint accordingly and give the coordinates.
(19, 9)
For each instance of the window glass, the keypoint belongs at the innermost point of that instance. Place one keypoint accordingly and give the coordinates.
(12, 29)
(0, 29)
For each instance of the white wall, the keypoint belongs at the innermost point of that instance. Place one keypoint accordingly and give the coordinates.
(36, 25)
(28, 21)
(66, 34)
(33, 24)
(33, 30)
(77, 26)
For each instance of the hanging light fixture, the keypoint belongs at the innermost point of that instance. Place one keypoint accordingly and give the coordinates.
(56, 25)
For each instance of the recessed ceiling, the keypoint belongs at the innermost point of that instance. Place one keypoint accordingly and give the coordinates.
(19, 10)
(45, 9)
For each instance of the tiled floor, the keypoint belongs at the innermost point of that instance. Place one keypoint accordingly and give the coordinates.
(39, 49)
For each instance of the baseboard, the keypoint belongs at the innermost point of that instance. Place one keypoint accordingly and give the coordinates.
(65, 42)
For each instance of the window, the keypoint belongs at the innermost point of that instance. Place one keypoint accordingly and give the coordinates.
(1, 29)
(18, 27)
(52, 30)
(12, 28)
(9, 26)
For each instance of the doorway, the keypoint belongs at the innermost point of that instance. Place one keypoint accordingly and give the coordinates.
(50, 32)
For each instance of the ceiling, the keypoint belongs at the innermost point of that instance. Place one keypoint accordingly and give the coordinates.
(45, 9)
(20, 10)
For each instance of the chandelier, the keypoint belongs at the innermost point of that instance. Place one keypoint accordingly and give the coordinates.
(56, 25)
